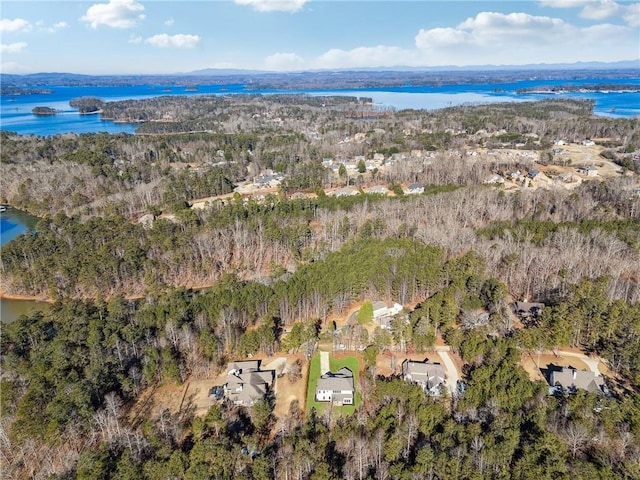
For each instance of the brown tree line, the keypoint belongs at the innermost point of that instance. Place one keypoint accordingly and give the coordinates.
(200, 246)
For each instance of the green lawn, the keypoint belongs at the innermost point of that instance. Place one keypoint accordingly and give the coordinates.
(314, 374)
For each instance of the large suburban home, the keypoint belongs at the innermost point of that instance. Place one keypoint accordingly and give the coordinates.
(345, 192)
(429, 375)
(377, 190)
(246, 383)
(268, 180)
(569, 380)
(336, 388)
(382, 309)
(383, 313)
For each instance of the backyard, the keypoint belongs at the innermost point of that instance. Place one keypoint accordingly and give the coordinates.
(335, 364)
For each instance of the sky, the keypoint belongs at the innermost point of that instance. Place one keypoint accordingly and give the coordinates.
(175, 36)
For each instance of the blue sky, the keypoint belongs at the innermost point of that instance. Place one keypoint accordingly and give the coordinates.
(148, 37)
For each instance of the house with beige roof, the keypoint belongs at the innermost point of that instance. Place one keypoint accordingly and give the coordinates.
(429, 375)
(246, 383)
(570, 380)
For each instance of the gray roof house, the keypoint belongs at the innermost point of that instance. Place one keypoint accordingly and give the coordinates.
(336, 388)
(268, 180)
(429, 375)
(528, 309)
(246, 383)
(414, 188)
(570, 380)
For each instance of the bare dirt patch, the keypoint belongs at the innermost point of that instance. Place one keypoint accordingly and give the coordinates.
(155, 400)
(531, 361)
(288, 391)
(193, 395)
(390, 363)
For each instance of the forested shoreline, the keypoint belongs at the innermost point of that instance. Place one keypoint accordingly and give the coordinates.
(279, 272)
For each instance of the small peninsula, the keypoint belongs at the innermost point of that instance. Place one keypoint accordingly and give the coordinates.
(87, 105)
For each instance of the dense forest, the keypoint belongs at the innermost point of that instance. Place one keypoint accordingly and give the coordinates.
(140, 304)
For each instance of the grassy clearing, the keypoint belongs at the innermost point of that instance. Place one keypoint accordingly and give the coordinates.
(351, 363)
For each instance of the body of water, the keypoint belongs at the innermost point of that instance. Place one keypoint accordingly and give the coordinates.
(13, 223)
(16, 116)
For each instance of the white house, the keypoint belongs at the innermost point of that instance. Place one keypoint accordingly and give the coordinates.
(336, 387)
(377, 190)
(381, 309)
(588, 170)
(494, 179)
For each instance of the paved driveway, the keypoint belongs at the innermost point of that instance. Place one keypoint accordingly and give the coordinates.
(452, 371)
(324, 363)
(592, 362)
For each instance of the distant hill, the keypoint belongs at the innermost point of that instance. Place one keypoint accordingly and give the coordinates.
(340, 78)
(627, 64)
(209, 72)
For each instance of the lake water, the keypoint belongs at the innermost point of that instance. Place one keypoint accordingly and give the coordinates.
(13, 223)
(16, 116)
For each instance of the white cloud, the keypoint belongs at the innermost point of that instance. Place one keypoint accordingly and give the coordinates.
(520, 38)
(441, 37)
(116, 14)
(17, 24)
(57, 27)
(631, 15)
(135, 39)
(490, 29)
(490, 38)
(362, 57)
(169, 22)
(274, 5)
(173, 41)
(600, 9)
(13, 47)
(284, 62)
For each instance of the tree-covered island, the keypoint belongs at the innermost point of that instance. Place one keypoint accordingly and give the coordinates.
(44, 111)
